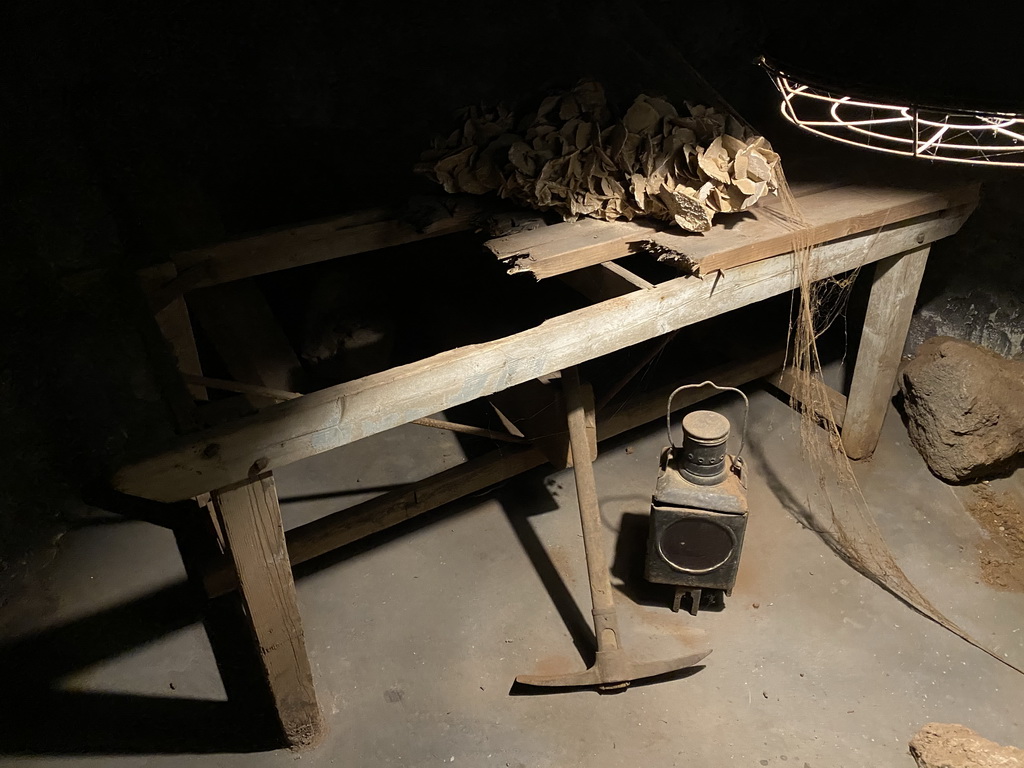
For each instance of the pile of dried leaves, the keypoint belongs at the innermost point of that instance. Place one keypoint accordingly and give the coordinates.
(572, 157)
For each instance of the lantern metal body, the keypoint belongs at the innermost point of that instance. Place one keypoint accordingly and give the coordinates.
(698, 510)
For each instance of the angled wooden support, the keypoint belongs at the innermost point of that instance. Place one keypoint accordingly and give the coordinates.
(604, 281)
(787, 381)
(894, 286)
(382, 512)
(250, 518)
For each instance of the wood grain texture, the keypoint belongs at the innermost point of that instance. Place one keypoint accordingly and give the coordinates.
(251, 521)
(831, 214)
(577, 403)
(340, 528)
(298, 246)
(787, 382)
(287, 432)
(893, 292)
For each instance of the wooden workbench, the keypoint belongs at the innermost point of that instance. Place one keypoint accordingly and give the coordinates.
(229, 468)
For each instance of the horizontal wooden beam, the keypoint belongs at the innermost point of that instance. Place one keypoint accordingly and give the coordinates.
(387, 510)
(318, 422)
(298, 246)
(830, 214)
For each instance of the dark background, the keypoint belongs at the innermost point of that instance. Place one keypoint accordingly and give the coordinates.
(130, 131)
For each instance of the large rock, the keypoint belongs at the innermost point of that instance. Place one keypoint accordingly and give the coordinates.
(965, 408)
(939, 745)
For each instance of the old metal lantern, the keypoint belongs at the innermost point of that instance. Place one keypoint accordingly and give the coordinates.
(699, 508)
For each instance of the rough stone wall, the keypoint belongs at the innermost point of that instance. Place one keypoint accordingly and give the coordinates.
(973, 289)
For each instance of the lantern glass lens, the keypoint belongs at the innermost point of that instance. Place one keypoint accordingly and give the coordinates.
(696, 545)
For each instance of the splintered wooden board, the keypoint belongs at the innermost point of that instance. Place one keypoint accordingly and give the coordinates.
(737, 239)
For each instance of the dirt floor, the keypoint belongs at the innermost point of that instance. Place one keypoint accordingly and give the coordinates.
(416, 635)
(1001, 554)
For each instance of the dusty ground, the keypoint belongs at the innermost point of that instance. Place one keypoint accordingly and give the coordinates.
(950, 745)
(415, 636)
(1001, 553)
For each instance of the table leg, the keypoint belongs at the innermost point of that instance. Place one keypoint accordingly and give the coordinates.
(251, 521)
(893, 292)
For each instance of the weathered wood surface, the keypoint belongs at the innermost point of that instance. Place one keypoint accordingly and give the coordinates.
(340, 528)
(321, 241)
(251, 521)
(787, 381)
(893, 292)
(176, 326)
(289, 431)
(163, 354)
(318, 422)
(468, 429)
(831, 214)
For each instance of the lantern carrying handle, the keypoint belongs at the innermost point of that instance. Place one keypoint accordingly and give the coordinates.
(746, 410)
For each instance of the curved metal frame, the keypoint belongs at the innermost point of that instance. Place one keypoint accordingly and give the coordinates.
(954, 136)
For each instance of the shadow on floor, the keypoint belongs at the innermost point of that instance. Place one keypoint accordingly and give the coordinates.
(44, 718)
(628, 565)
(530, 496)
(519, 689)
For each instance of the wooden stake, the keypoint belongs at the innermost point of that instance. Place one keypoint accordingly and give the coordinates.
(251, 520)
(893, 293)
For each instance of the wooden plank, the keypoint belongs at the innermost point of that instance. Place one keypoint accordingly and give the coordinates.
(466, 429)
(251, 520)
(176, 327)
(173, 319)
(320, 241)
(390, 509)
(511, 245)
(573, 245)
(164, 366)
(277, 395)
(893, 292)
(625, 274)
(831, 214)
(604, 281)
(785, 380)
(342, 414)
(248, 338)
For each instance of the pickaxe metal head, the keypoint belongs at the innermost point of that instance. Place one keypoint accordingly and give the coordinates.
(613, 670)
